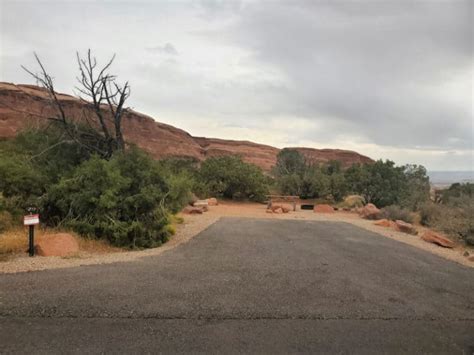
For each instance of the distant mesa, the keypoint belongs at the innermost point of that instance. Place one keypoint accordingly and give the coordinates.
(23, 106)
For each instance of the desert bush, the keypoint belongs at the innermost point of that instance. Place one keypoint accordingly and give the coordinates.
(33, 161)
(180, 187)
(417, 190)
(6, 221)
(454, 219)
(456, 191)
(381, 183)
(125, 200)
(395, 212)
(230, 177)
(352, 201)
(289, 162)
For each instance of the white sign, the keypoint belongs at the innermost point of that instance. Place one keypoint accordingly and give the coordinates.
(31, 219)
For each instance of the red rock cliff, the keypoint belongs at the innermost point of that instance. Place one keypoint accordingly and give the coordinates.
(23, 106)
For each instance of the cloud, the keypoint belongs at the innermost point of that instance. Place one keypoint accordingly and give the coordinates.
(167, 48)
(388, 79)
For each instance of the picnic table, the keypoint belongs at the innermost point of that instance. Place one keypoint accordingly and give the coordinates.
(282, 198)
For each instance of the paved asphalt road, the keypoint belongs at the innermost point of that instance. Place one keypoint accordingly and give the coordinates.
(249, 285)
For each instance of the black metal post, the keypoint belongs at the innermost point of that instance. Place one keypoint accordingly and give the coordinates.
(32, 240)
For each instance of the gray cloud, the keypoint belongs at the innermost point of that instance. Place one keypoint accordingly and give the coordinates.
(388, 78)
(167, 48)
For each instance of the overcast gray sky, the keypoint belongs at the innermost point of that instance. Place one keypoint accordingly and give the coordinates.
(389, 79)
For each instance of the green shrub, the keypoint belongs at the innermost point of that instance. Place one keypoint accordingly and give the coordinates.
(417, 191)
(381, 183)
(352, 201)
(230, 177)
(454, 219)
(6, 221)
(456, 191)
(125, 200)
(394, 213)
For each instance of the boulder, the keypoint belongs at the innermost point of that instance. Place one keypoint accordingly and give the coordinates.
(385, 223)
(471, 258)
(269, 211)
(60, 244)
(369, 211)
(200, 203)
(284, 208)
(192, 210)
(212, 201)
(323, 209)
(432, 237)
(405, 227)
(278, 210)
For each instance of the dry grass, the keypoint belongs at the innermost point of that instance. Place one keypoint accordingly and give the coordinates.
(15, 242)
(95, 246)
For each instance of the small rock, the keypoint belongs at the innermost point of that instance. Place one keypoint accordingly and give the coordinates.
(200, 203)
(61, 244)
(323, 209)
(212, 201)
(369, 211)
(432, 237)
(385, 223)
(192, 210)
(466, 253)
(405, 227)
(278, 210)
(269, 211)
(471, 258)
(284, 208)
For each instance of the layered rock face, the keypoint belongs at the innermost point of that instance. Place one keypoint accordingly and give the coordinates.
(23, 106)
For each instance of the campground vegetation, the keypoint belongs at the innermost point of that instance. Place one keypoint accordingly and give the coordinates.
(128, 199)
(82, 176)
(403, 192)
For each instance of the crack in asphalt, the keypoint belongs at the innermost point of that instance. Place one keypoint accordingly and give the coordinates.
(256, 318)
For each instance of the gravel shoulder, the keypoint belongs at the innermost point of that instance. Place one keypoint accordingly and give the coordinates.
(195, 224)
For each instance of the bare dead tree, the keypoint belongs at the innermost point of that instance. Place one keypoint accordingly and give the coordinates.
(101, 128)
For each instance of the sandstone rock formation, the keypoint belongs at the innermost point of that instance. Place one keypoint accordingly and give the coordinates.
(61, 244)
(192, 210)
(405, 227)
(278, 208)
(369, 211)
(212, 201)
(432, 237)
(23, 106)
(385, 223)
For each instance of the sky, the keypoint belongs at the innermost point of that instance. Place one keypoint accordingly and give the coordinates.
(389, 79)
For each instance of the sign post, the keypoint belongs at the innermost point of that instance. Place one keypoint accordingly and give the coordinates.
(30, 221)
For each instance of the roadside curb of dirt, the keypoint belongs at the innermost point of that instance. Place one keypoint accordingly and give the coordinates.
(192, 226)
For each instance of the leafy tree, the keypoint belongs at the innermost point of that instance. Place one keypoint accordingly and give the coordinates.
(417, 190)
(289, 161)
(315, 183)
(380, 183)
(230, 177)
